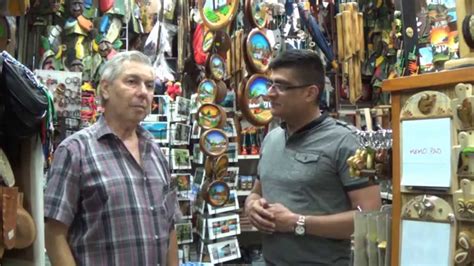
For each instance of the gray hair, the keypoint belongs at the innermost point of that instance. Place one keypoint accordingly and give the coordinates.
(114, 67)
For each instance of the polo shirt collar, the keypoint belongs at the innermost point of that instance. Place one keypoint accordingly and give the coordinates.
(316, 122)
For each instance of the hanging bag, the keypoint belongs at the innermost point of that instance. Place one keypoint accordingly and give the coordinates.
(24, 100)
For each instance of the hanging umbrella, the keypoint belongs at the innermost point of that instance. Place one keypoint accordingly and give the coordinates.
(312, 25)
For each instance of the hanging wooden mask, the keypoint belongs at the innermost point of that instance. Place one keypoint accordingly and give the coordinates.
(258, 51)
(254, 102)
(217, 14)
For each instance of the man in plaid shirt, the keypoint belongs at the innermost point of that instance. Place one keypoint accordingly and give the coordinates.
(109, 199)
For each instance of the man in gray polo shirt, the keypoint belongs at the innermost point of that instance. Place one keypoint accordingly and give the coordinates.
(304, 200)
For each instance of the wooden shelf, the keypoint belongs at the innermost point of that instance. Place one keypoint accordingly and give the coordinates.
(429, 80)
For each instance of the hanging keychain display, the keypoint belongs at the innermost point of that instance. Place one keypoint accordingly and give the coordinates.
(375, 158)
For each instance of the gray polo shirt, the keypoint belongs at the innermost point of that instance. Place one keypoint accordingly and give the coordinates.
(307, 172)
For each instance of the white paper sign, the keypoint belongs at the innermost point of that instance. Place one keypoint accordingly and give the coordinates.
(425, 243)
(426, 152)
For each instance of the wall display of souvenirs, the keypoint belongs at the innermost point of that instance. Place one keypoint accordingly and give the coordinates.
(66, 90)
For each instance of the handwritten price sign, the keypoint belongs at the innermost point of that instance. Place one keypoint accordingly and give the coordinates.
(426, 152)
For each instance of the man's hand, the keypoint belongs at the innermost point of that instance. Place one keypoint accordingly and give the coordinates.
(259, 217)
(284, 219)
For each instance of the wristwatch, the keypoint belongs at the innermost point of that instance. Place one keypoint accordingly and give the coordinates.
(300, 228)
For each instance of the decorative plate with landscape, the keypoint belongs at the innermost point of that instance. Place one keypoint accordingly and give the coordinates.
(258, 51)
(211, 116)
(257, 11)
(207, 90)
(218, 193)
(216, 66)
(216, 14)
(214, 142)
(255, 103)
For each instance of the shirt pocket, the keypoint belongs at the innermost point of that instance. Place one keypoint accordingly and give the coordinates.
(305, 168)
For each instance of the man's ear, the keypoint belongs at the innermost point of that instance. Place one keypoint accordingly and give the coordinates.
(104, 89)
(313, 93)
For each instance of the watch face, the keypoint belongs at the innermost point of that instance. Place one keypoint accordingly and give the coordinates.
(299, 230)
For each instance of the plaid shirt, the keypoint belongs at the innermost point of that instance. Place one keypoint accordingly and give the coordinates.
(118, 213)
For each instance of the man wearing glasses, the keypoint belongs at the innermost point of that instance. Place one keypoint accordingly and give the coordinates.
(304, 200)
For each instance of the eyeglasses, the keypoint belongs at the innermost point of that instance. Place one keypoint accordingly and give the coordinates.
(282, 88)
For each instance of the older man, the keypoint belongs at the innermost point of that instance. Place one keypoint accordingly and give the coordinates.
(109, 199)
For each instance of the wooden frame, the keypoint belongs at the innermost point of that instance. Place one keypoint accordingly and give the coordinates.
(221, 167)
(207, 91)
(258, 18)
(252, 102)
(214, 142)
(216, 193)
(211, 116)
(258, 51)
(221, 14)
(207, 41)
(402, 89)
(231, 205)
(215, 67)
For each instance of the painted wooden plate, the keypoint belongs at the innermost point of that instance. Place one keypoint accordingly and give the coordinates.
(211, 116)
(214, 142)
(258, 51)
(257, 12)
(217, 14)
(254, 102)
(216, 67)
(207, 90)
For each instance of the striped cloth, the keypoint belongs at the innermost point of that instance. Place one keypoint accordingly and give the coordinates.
(118, 212)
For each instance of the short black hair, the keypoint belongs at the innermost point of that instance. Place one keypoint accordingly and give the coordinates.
(307, 66)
